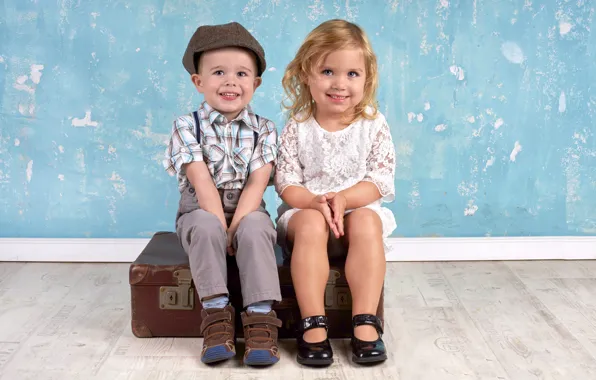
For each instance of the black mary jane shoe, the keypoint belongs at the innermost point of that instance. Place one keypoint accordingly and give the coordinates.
(368, 352)
(313, 354)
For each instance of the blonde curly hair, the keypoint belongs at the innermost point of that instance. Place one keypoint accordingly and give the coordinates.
(326, 38)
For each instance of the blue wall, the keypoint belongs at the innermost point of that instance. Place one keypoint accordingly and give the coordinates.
(492, 106)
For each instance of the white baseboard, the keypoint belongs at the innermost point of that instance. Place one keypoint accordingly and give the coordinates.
(493, 248)
(71, 250)
(402, 249)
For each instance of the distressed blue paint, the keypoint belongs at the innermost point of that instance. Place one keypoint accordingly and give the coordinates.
(517, 60)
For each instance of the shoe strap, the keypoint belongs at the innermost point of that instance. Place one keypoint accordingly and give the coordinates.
(255, 319)
(368, 319)
(220, 316)
(317, 321)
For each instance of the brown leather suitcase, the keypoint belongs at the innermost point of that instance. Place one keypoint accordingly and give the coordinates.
(164, 302)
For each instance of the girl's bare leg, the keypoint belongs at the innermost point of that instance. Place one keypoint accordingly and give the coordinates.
(365, 265)
(308, 232)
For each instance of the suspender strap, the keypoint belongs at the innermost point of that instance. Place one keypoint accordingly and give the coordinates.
(197, 126)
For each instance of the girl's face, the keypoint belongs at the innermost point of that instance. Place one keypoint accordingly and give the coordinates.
(337, 85)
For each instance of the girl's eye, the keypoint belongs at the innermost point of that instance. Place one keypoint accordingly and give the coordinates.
(353, 74)
(218, 72)
(327, 72)
(242, 74)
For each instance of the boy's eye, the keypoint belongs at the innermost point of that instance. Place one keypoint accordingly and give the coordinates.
(242, 74)
(327, 72)
(353, 74)
(218, 72)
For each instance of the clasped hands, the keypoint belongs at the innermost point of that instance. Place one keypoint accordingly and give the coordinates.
(333, 207)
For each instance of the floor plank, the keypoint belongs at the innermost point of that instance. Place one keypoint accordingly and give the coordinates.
(527, 338)
(78, 333)
(573, 302)
(467, 320)
(553, 269)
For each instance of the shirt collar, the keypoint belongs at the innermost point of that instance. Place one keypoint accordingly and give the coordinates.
(246, 116)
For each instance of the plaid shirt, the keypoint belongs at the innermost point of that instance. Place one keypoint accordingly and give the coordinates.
(226, 148)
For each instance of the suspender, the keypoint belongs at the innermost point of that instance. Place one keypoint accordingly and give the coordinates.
(198, 131)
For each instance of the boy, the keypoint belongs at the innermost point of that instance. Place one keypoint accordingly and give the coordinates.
(223, 155)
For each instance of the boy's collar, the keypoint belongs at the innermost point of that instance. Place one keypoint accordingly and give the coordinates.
(244, 115)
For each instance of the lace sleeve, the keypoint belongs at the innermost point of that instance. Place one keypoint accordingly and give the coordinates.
(380, 163)
(288, 171)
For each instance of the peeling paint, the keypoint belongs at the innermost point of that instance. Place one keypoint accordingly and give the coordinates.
(562, 102)
(29, 170)
(470, 209)
(118, 184)
(489, 162)
(516, 149)
(84, 122)
(512, 52)
(564, 28)
(457, 71)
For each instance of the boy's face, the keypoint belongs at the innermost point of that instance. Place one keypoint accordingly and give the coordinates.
(227, 79)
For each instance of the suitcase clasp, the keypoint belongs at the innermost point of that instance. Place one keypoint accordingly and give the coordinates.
(179, 297)
(337, 297)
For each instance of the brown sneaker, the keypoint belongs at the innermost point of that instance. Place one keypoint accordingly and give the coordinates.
(260, 337)
(218, 334)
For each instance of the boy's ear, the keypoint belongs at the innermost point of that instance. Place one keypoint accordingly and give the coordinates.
(197, 81)
(258, 81)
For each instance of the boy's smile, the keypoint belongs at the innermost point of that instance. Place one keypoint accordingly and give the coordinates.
(227, 79)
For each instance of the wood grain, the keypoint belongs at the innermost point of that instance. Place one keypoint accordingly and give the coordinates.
(451, 321)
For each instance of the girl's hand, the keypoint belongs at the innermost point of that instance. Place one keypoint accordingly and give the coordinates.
(320, 203)
(337, 202)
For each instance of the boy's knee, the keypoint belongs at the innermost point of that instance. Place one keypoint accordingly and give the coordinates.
(256, 224)
(203, 223)
(311, 224)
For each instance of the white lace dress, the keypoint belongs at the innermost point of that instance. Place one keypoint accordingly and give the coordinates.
(323, 161)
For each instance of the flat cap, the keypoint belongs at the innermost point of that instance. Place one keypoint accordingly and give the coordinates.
(210, 37)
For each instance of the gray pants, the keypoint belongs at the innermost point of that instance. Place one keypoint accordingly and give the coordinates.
(205, 241)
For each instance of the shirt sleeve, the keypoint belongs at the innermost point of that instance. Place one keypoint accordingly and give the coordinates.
(380, 163)
(289, 170)
(266, 147)
(183, 147)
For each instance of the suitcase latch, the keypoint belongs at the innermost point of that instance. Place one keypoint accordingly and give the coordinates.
(337, 297)
(179, 297)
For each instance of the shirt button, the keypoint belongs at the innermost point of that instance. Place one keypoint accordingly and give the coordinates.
(230, 196)
(183, 150)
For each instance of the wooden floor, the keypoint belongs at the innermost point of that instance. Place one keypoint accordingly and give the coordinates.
(457, 320)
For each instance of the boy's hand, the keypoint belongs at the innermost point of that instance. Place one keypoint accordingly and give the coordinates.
(231, 233)
(319, 203)
(337, 202)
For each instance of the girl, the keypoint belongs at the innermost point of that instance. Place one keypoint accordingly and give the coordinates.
(336, 165)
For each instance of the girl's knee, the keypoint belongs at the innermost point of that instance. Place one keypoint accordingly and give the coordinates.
(309, 224)
(364, 223)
